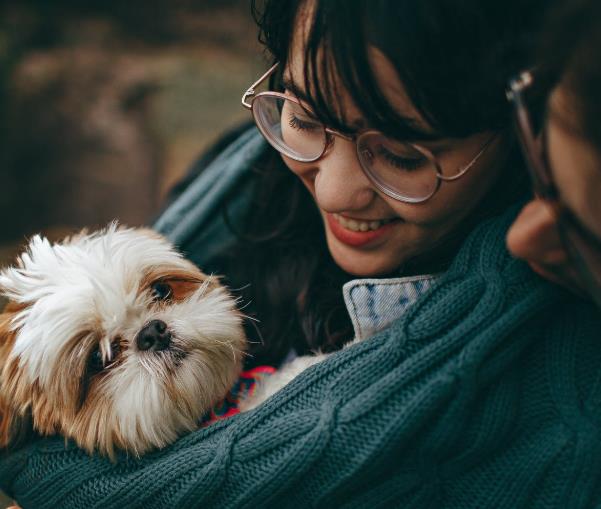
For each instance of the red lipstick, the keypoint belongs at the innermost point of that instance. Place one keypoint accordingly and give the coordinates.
(353, 238)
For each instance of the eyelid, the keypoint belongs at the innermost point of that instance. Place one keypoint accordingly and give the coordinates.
(442, 148)
(303, 103)
(308, 118)
(296, 91)
(291, 90)
(418, 156)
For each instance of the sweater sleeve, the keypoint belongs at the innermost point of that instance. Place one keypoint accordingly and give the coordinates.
(427, 413)
(249, 459)
(340, 421)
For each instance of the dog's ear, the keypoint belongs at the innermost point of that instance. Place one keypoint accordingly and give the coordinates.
(15, 425)
(15, 428)
(22, 281)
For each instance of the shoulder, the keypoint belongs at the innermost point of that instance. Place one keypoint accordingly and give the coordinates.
(194, 220)
(205, 159)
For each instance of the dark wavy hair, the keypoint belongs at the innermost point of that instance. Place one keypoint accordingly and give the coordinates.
(453, 58)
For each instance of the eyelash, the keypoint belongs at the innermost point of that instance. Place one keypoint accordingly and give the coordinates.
(95, 361)
(404, 163)
(407, 164)
(300, 125)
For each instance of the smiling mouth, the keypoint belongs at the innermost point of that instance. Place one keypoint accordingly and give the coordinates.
(361, 226)
(359, 233)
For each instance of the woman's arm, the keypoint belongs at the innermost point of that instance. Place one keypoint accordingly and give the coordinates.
(248, 459)
(470, 390)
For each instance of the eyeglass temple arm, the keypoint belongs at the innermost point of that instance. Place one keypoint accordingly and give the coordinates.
(465, 169)
(518, 84)
(514, 94)
(251, 89)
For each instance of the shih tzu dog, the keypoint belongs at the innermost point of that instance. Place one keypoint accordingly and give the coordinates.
(114, 340)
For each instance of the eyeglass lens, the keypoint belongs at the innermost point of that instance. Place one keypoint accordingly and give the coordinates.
(393, 165)
(289, 128)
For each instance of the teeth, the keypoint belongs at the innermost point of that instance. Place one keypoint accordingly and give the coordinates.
(360, 226)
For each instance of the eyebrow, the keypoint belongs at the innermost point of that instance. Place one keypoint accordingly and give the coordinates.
(288, 84)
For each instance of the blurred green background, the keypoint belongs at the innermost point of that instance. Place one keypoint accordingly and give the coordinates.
(104, 104)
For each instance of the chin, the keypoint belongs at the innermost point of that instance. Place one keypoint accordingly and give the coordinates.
(362, 263)
(114, 340)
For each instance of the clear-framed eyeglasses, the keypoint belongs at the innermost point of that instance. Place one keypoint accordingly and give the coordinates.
(405, 171)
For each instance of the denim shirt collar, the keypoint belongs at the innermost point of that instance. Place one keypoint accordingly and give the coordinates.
(373, 304)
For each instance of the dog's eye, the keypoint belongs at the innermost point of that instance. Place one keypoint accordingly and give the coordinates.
(95, 362)
(161, 290)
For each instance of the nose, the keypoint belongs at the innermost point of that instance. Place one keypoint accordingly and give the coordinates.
(534, 236)
(340, 184)
(154, 336)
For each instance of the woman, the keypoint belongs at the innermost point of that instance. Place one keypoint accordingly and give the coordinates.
(567, 170)
(398, 179)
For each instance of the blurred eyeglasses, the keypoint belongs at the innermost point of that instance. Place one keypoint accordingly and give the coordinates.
(404, 171)
(582, 246)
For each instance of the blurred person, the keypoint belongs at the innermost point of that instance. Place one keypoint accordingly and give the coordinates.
(559, 232)
(373, 202)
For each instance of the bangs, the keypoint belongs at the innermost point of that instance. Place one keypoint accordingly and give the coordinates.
(336, 64)
(452, 61)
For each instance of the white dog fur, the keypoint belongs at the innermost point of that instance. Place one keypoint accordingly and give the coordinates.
(70, 355)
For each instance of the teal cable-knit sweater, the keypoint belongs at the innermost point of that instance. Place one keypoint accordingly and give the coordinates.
(485, 394)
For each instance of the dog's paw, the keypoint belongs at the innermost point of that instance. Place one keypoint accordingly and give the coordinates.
(272, 384)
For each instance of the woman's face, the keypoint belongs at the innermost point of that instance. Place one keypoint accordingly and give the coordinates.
(348, 201)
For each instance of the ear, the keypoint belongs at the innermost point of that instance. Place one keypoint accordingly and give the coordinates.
(24, 279)
(15, 426)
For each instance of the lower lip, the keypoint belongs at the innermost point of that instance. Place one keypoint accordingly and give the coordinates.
(356, 239)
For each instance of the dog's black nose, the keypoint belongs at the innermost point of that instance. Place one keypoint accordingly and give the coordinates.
(154, 336)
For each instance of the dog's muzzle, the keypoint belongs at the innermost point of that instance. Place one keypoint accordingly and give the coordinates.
(154, 336)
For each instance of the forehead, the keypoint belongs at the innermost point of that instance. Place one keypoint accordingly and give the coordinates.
(91, 272)
(126, 254)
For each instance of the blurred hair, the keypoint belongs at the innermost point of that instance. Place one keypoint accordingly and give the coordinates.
(453, 58)
(570, 53)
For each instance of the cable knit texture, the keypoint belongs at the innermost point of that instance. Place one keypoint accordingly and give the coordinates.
(486, 393)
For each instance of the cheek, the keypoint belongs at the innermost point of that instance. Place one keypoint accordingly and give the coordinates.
(466, 193)
(485, 174)
(453, 201)
(534, 236)
(565, 165)
(576, 173)
(305, 171)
